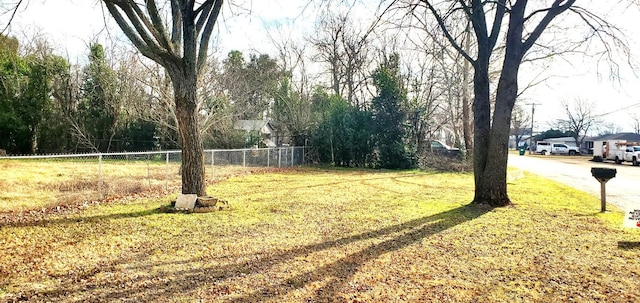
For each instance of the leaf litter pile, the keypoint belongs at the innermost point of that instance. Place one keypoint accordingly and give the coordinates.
(324, 235)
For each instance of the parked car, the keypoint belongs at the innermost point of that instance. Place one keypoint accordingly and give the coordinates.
(440, 148)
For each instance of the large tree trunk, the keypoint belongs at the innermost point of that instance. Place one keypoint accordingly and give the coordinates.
(492, 186)
(183, 53)
(482, 129)
(491, 178)
(490, 158)
(193, 181)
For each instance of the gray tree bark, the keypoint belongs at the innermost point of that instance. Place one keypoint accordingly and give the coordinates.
(491, 132)
(183, 53)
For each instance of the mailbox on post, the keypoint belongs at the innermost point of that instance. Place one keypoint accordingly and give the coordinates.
(603, 175)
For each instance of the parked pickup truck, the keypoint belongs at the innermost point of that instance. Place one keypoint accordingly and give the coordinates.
(629, 154)
(544, 148)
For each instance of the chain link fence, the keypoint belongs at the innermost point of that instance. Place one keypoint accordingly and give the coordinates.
(32, 182)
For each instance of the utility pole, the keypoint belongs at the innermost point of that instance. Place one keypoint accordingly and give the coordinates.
(533, 110)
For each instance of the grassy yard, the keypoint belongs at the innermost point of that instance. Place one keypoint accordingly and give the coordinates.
(27, 185)
(325, 235)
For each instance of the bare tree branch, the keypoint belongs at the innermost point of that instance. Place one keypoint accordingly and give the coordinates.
(176, 30)
(13, 11)
(160, 32)
(446, 32)
(140, 23)
(206, 35)
(556, 9)
(130, 32)
(497, 22)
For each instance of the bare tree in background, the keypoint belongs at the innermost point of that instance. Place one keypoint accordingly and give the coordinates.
(453, 73)
(157, 105)
(467, 116)
(452, 76)
(347, 51)
(292, 57)
(148, 92)
(579, 118)
(181, 48)
(423, 108)
(292, 101)
(607, 128)
(328, 46)
(635, 123)
(520, 124)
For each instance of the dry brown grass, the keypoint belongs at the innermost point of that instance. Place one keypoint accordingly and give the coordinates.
(28, 185)
(442, 163)
(314, 235)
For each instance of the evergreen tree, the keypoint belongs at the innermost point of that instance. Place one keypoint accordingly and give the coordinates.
(12, 79)
(344, 135)
(389, 117)
(29, 119)
(100, 107)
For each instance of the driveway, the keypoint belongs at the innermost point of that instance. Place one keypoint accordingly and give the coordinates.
(623, 190)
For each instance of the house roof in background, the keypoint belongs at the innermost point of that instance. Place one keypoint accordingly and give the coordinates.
(619, 136)
(250, 125)
(568, 139)
(559, 139)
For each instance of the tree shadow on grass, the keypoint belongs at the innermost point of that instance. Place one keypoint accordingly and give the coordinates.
(8, 222)
(629, 245)
(291, 185)
(338, 272)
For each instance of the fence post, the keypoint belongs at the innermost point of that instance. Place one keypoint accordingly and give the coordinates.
(279, 157)
(292, 154)
(100, 176)
(244, 158)
(166, 174)
(149, 170)
(213, 159)
(268, 152)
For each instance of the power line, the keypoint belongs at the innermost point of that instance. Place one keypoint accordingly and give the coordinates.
(619, 110)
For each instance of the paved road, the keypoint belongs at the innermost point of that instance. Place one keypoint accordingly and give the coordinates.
(623, 190)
